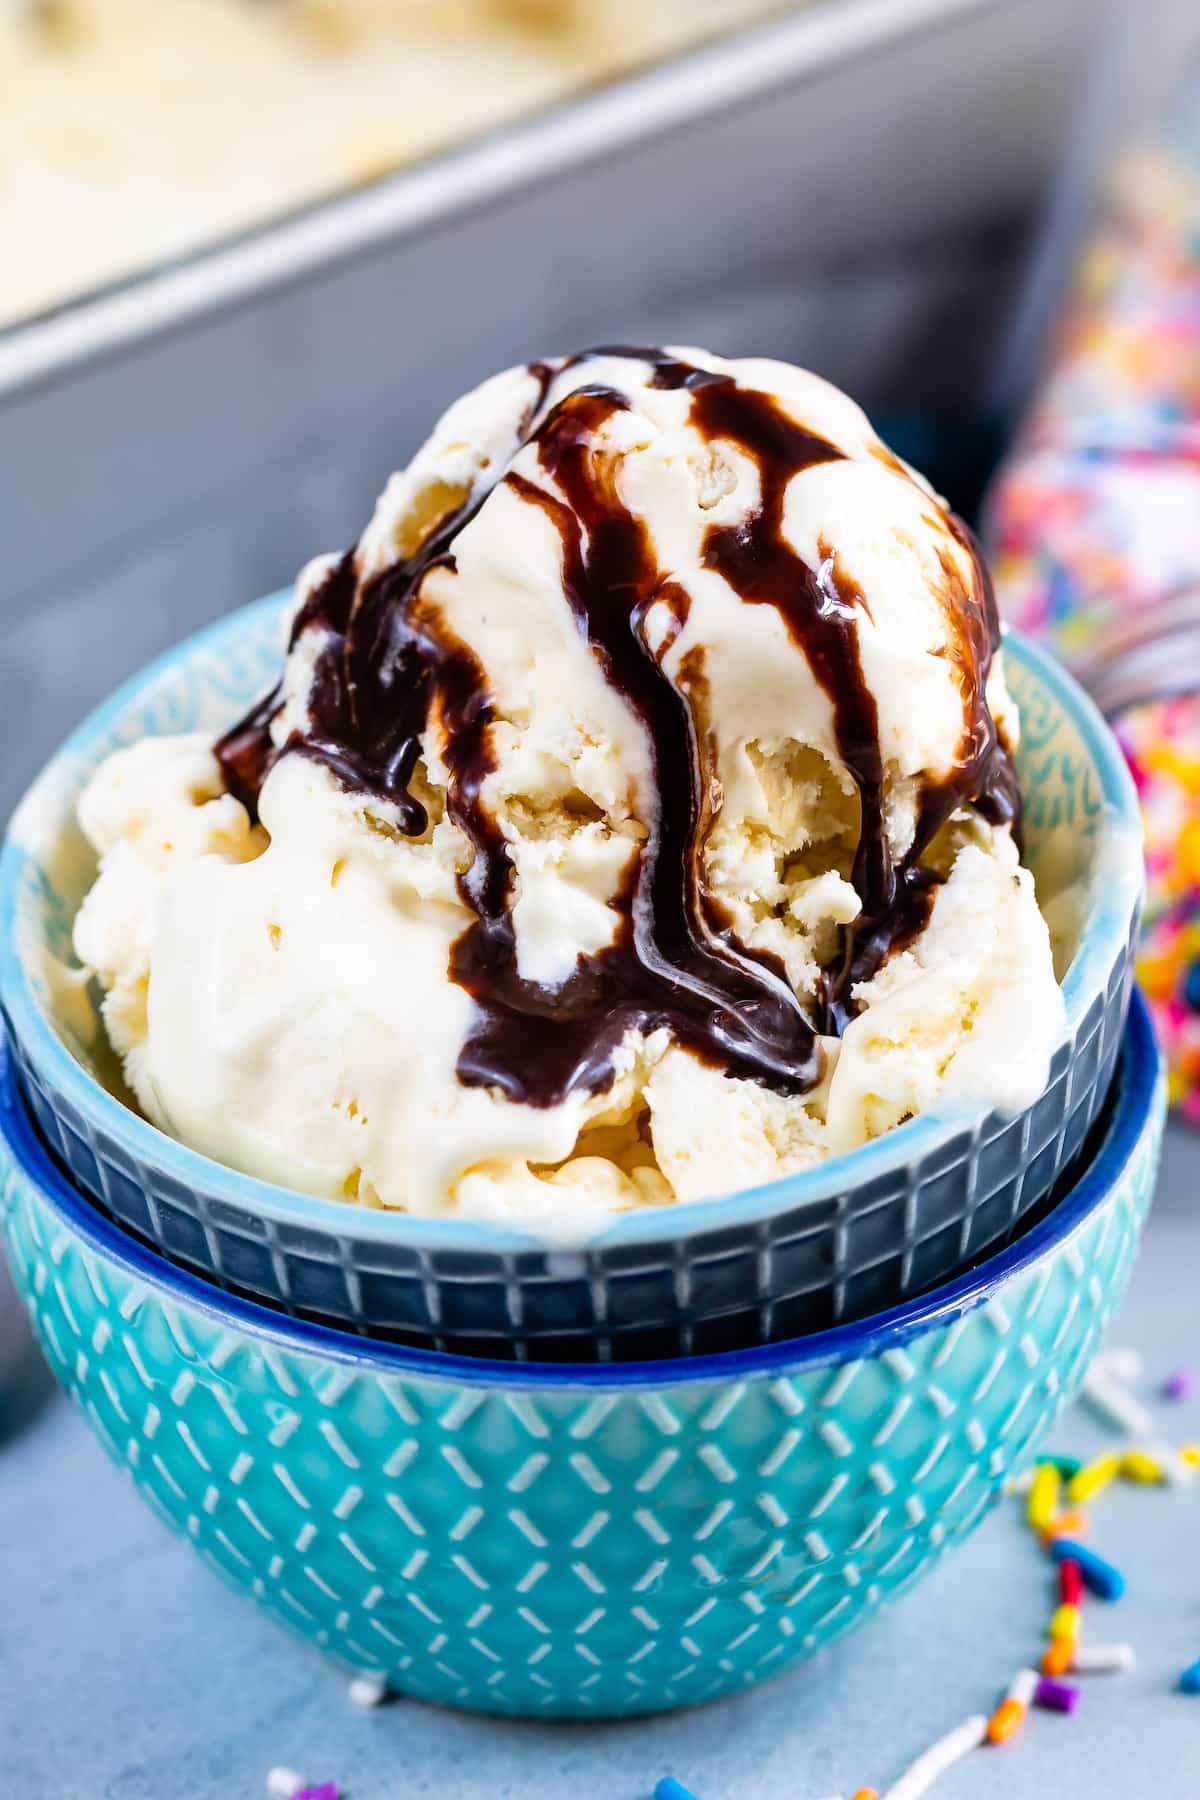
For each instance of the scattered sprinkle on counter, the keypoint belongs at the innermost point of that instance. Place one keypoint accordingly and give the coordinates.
(1140, 1466)
(1178, 1470)
(1112, 1400)
(284, 1783)
(920, 1776)
(1122, 1363)
(1056, 1696)
(1060, 1657)
(1010, 1714)
(1068, 1524)
(1070, 1581)
(1064, 1622)
(1102, 1659)
(1093, 1478)
(368, 1690)
(1098, 1576)
(1043, 1496)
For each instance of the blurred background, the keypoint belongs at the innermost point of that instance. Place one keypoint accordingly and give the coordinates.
(252, 247)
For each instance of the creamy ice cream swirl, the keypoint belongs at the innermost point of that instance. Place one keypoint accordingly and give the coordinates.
(634, 819)
(389, 663)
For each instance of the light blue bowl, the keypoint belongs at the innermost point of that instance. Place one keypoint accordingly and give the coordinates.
(577, 1540)
(831, 1245)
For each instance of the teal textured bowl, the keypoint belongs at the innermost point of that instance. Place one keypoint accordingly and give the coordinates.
(835, 1243)
(568, 1541)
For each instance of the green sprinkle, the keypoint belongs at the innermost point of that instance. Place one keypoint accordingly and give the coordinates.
(1066, 1465)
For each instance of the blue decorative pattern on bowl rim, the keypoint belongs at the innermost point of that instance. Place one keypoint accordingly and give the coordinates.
(828, 1245)
(570, 1541)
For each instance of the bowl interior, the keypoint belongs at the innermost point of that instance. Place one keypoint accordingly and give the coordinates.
(1083, 840)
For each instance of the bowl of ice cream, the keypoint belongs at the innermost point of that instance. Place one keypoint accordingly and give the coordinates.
(576, 1540)
(608, 935)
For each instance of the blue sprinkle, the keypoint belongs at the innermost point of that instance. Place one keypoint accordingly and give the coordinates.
(670, 1789)
(1189, 1681)
(1100, 1576)
(1191, 986)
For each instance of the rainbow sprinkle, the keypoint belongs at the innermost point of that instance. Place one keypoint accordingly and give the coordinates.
(1070, 1582)
(1099, 1577)
(1189, 1681)
(1056, 1696)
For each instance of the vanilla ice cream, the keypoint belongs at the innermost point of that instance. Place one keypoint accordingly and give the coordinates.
(634, 820)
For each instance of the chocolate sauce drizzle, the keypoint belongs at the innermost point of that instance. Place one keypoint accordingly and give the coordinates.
(389, 664)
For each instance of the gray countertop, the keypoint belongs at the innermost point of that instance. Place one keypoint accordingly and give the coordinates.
(128, 1673)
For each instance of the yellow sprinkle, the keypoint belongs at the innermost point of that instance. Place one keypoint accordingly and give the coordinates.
(1191, 1454)
(1093, 1477)
(1064, 1622)
(1139, 1466)
(1043, 1496)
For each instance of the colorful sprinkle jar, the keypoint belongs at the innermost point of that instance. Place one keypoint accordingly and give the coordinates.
(1095, 527)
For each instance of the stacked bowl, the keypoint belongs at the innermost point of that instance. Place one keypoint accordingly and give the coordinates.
(603, 1479)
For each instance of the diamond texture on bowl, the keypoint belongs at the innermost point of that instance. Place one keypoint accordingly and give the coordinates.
(577, 1541)
(806, 1252)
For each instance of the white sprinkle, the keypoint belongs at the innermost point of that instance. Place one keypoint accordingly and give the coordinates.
(1123, 1364)
(920, 1776)
(1102, 1659)
(368, 1690)
(1116, 1405)
(1177, 1472)
(284, 1784)
(1022, 1687)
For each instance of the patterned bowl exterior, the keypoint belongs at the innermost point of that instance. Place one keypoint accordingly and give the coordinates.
(570, 1541)
(800, 1254)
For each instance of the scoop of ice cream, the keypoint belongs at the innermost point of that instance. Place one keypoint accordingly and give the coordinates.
(633, 820)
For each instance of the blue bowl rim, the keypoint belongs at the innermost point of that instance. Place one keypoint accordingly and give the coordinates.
(1138, 1096)
(1106, 933)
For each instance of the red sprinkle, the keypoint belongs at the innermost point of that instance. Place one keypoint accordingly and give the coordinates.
(1058, 1696)
(1070, 1582)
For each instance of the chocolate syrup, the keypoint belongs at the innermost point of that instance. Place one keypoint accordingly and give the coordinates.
(388, 661)
(667, 966)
